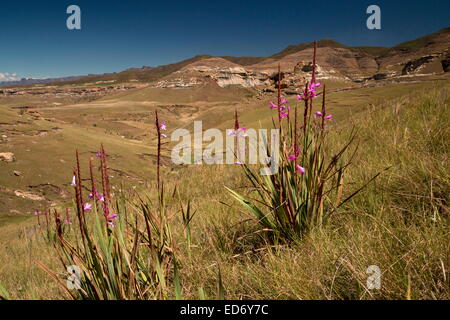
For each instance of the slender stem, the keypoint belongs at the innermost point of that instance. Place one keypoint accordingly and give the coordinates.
(158, 131)
(236, 132)
(323, 108)
(279, 95)
(313, 78)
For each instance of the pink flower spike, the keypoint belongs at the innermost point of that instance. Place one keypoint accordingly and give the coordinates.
(87, 206)
(300, 169)
(329, 117)
(292, 157)
(74, 182)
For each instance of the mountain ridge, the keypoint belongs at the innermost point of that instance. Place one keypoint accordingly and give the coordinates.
(387, 59)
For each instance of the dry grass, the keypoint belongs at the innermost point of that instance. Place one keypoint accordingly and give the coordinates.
(399, 223)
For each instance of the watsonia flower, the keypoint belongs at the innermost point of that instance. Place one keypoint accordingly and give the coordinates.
(319, 114)
(310, 92)
(300, 169)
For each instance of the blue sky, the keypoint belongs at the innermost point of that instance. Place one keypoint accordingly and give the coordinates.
(116, 35)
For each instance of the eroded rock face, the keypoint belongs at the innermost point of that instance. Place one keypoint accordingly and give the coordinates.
(303, 66)
(416, 65)
(7, 157)
(239, 76)
(223, 76)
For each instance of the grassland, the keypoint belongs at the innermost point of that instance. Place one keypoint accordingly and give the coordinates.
(399, 223)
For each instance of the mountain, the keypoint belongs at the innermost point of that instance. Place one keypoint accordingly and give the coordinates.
(425, 55)
(30, 81)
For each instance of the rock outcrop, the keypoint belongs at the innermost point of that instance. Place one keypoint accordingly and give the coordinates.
(28, 195)
(415, 65)
(7, 157)
(446, 63)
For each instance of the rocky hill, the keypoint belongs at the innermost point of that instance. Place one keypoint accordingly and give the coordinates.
(423, 56)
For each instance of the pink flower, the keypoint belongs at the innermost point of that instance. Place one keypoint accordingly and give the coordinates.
(281, 106)
(36, 213)
(163, 126)
(300, 169)
(283, 112)
(74, 182)
(319, 114)
(309, 93)
(292, 157)
(112, 217)
(163, 135)
(87, 206)
(100, 197)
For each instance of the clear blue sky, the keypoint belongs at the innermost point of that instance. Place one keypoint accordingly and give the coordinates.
(121, 34)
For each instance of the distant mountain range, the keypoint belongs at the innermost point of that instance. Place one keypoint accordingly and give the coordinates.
(29, 81)
(428, 54)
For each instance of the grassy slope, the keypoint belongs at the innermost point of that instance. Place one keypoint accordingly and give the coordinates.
(400, 223)
(46, 161)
